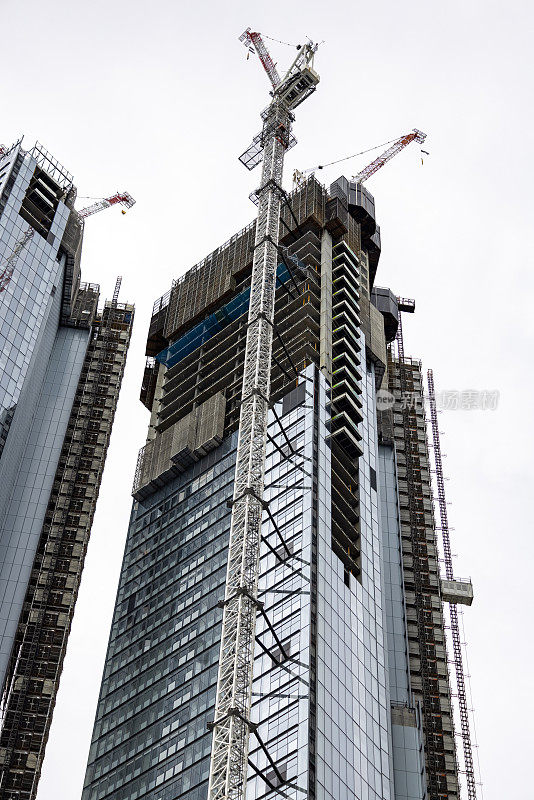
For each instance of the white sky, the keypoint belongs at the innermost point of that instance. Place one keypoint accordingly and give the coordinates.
(158, 98)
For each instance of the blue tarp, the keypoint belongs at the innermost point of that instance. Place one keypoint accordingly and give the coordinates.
(200, 334)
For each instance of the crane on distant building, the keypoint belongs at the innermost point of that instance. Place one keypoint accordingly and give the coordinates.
(395, 147)
(123, 198)
(9, 266)
(6, 272)
(232, 725)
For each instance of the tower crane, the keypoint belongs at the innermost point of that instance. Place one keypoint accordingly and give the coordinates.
(7, 272)
(396, 146)
(253, 41)
(387, 155)
(232, 724)
(123, 198)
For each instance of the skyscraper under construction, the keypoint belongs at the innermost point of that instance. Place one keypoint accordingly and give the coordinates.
(351, 696)
(61, 366)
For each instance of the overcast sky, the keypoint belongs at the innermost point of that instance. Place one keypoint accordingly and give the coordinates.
(158, 98)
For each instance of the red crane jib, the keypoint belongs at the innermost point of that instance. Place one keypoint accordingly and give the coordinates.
(254, 37)
(396, 147)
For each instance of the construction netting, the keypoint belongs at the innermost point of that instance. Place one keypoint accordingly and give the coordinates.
(214, 323)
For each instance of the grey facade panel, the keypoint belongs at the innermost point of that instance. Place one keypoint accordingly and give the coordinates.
(394, 605)
(407, 740)
(25, 512)
(28, 298)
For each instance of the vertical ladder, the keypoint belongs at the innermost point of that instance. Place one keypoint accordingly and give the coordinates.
(453, 611)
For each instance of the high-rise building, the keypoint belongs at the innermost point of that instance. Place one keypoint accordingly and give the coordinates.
(351, 695)
(61, 366)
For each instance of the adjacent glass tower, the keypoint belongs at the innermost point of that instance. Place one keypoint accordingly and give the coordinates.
(61, 365)
(333, 697)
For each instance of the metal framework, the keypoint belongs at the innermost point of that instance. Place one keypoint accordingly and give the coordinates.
(422, 591)
(43, 631)
(387, 155)
(116, 291)
(232, 726)
(299, 176)
(124, 198)
(7, 272)
(453, 611)
(253, 41)
(51, 165)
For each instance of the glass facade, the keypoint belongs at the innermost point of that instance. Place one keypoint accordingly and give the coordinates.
(283, 697)
(353, 697)
(399, 681)
(332, 711)
(321, 685)
(28, 296)
(32, 399)
(38, 429)
(61, 366)
(158, 690)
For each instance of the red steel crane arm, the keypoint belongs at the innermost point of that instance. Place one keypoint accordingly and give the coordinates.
(387, 155)
(121, 197)
(253, 39)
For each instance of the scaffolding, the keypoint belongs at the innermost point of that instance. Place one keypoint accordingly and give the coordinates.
(453, 610)
(36, 662)
(420, 583)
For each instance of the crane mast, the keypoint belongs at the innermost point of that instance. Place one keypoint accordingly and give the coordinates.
(232, 725)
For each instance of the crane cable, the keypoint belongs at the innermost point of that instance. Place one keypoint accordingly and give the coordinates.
(264, 35)
(346, 158)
